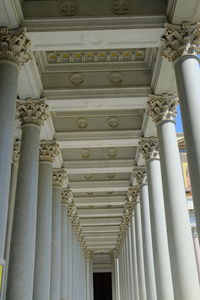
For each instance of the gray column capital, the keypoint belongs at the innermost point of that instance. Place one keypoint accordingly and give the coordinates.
(139, 173)
(180, 40)
(32, 111)
(16, 151)
(162, 107)
(48, 150)
(14, 45)
(59, 177)
(148, 146)
(67, 196)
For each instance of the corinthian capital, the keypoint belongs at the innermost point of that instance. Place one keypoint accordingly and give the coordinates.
(59, 176)
(180, 39)
(89, 254)
(16, 151)
(32, 111)
(48, 150)
(149, 147)
(67, 196)
(14, 45)
(140, 174)
(162, 107)
(132, 194)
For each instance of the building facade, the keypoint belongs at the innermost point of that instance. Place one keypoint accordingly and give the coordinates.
(91, 183)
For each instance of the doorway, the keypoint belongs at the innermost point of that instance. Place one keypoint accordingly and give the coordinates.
(102, 286)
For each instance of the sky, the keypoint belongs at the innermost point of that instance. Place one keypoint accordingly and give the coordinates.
(179, 127)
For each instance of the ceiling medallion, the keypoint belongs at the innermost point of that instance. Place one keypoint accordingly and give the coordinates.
(109, 193)
(113, 122)
(88, 177)
(90, 193)
(112, 152)
(111, 176)
(68, 8)
(116, 78)
(85, 153)
(82, 123)
(77, 79)
(119, 7)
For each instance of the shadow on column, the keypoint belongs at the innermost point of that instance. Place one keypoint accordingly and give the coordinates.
(102, 286)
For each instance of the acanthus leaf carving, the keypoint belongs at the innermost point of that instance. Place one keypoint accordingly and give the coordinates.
(48, 150)
(139, 173)
(148, 146)
(59, 176)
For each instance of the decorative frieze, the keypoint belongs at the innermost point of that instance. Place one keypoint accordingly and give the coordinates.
(140, 175)
(59, 176)
(48, 150)
(14, 45)
(148, 146)
(162, 107)
(180, 40)
(32, 111)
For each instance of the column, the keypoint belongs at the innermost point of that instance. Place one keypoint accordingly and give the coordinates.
(59, 176)
(196, 248)
(69, 258)
(32, 114)
(140, 175)
(116, 270)
(67, 197)
(162, 108)
(89, 270)
(13, 183)
(181, 46)
(48, 151)
(14, 51)
(130, 262)
(134, 260)
(149, 148)
(139, 246)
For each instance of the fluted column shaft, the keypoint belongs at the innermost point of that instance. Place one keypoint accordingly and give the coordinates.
(149, 149)
(58, 178)
(48, 150)
(69, 259)
(14, 51)
(181, 250)
(139, 249)
(147, 243)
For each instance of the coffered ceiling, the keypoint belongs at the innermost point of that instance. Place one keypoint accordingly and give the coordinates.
(96, 62)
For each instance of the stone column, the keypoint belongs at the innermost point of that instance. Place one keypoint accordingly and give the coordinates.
(89, 264)
(162, 108)
(59, 176)
(140, 175)
(14, 51)
(116, 270)
(139, 247)
(196, 248)
(149, 148)
(69, 258)
(67, 197)
(134, 260)
(130, 262)
(32, 114)
(13, 183)
(181, 46)
(48, 151)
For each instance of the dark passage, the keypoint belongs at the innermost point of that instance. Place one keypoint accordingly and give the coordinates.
(102, 286)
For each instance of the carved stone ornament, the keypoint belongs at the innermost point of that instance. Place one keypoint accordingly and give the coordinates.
(112, 152)
(72, 210)
(140, 174)
(68, 8)
(149, 147)
(113, 122)
(119, 7)
(77, 79)
(116, 78)
(48, 150)
(82, 123)
(162, 107)
(16, 151)
(59, 176)
(89, 254)
(132, 194)
(67, 196)
(128, 208)
(180, 40)
(14, 45)
(85, 153)
(32, 111)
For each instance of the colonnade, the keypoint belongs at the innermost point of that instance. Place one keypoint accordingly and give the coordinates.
(158, 244)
